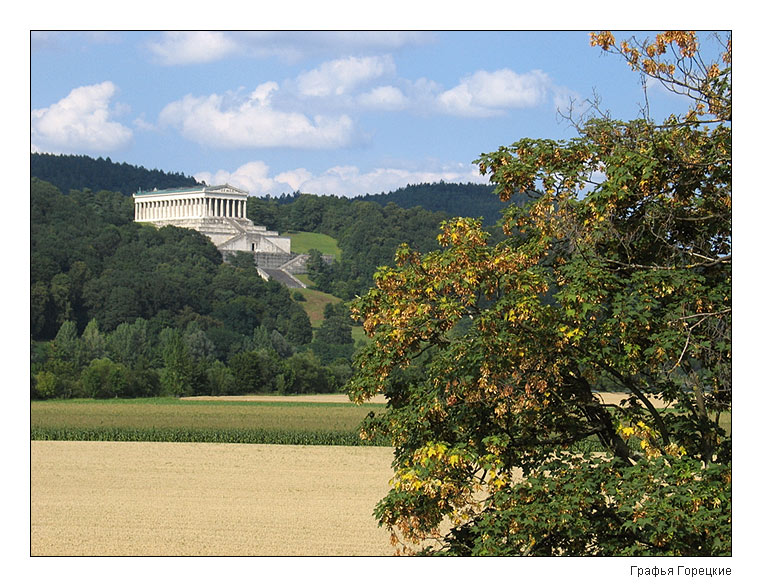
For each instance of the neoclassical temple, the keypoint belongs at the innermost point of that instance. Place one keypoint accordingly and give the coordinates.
(218, 211)
(183, 203)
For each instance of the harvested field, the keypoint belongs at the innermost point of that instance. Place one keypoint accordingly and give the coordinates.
(125, 498)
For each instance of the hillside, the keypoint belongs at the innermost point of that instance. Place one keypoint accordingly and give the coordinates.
(76, 172)
(365, 232)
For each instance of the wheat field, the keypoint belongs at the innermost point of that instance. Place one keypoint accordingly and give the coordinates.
(204, 499)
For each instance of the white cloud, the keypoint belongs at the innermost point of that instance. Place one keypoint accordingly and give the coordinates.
(81, 121)
(177, 48)
(491, 93)
(253, 176)
(341, 76)
(384, 98)
(295, 178)
(187, 47)
(341, 180)
(231, 122)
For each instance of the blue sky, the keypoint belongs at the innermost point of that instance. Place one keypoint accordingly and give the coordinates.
(342, 113)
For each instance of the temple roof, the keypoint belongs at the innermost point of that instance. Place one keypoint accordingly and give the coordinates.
(198, 189)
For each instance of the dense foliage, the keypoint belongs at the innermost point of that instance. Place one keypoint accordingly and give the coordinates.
(367, 233)
(615, 271)
(76, 172)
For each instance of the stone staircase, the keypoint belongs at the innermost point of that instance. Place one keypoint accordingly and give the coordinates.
(236, 225)
(283, 277)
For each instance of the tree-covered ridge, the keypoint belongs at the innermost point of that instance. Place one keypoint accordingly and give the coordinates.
(76, 172)
(454, 199)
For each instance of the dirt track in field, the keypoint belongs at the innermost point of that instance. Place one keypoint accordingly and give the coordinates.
(123, 498)
(330, 398)
(609, 398)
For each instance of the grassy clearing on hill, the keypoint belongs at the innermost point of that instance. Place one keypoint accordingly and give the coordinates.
(303, 242)
(315, 303)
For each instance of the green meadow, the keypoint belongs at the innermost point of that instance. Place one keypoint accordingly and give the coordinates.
(303, 242)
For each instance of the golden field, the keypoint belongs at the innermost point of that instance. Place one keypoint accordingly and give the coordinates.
(187, 499)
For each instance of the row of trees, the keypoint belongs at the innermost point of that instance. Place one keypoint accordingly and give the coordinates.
(617, 267)
(144, 359)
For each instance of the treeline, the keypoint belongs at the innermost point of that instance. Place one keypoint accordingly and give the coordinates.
(454, 199)
(196, 325)
(145, 359)
(76, 172)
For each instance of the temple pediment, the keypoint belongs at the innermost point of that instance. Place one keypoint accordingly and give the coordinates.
(226, 189)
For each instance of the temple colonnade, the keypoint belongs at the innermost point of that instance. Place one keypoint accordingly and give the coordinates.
(189, 207)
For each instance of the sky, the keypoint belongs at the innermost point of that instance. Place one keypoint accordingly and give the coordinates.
(327, 112)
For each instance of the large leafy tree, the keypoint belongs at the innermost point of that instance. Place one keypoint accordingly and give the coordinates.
(615, 274)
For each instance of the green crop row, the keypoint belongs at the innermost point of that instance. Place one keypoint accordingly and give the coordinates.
(240, 436)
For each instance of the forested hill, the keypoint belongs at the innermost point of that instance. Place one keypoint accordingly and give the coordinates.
(76, 172)
(454, 199)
